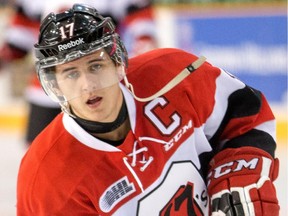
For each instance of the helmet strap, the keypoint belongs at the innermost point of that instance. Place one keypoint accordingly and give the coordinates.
(103, 127)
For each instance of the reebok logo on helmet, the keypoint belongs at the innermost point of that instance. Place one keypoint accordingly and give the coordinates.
(71, 44)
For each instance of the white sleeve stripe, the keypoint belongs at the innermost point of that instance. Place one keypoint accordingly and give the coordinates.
(268, 127)
(224, 88)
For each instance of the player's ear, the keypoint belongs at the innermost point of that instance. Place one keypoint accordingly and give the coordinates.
(120, 71)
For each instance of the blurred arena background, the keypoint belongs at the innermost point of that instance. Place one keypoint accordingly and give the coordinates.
(247, 38)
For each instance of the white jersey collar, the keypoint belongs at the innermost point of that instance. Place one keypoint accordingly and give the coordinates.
(87, 139)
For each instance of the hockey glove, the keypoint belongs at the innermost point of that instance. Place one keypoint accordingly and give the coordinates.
(240, 183)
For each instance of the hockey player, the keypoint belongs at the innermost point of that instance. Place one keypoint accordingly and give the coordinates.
(21, 34)
(163, 133)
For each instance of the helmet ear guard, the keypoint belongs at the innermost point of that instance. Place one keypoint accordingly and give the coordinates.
(118, 51)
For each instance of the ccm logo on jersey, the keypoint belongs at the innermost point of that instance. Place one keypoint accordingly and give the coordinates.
(71, 44)
(115, 193)
(233, 166)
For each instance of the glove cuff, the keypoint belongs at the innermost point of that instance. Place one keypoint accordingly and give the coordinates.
(242, 161)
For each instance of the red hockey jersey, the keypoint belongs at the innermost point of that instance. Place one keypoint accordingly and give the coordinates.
(160, 168)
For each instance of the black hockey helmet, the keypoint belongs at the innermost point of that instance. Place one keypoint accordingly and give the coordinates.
(79, 28)
(72, 34)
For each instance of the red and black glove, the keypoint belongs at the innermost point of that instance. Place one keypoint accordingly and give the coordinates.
(240, 182)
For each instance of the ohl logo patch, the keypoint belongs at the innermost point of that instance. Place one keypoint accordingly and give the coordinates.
(115, 193)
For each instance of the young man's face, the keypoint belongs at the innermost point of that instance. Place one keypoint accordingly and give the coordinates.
(90, 85)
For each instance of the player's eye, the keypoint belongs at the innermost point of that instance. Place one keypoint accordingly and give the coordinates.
(72, 74)
(95, 68)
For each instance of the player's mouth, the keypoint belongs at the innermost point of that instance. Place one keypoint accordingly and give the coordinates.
(93, 102)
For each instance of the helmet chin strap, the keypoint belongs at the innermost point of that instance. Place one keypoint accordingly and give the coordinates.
(103, 127)
(177, 79)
